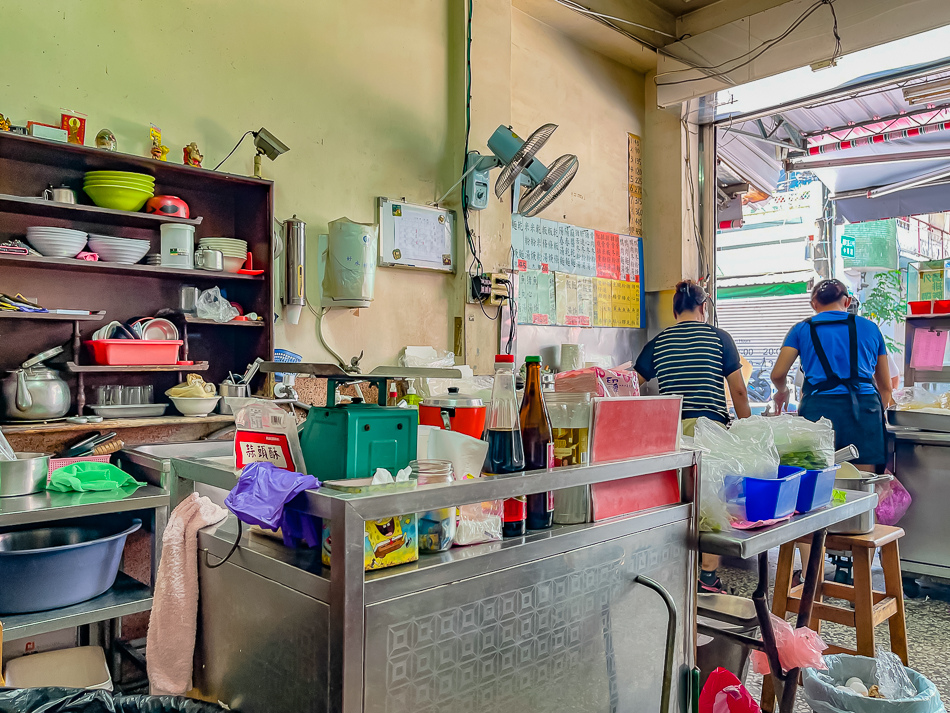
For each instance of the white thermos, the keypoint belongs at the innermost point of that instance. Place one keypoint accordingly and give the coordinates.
(178, 246)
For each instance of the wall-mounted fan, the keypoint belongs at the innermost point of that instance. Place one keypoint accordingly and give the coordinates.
(519, 170)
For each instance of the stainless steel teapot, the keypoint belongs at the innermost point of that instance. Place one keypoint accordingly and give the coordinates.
(35, 392)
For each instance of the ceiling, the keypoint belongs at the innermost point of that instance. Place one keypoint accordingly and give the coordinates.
(676, 8)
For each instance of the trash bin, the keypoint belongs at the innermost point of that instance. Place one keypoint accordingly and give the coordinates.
(822, 694)
(724, 612)
(78, 700)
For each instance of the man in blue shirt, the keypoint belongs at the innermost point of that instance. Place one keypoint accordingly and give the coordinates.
(847, 378)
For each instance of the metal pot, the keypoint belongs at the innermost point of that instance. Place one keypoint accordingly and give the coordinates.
(35, 394)
(25, 475)
(863, 483)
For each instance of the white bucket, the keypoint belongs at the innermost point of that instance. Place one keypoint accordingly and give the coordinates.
(79, 667)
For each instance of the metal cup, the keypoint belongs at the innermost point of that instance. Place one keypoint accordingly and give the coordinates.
(206, 259)
(61, 194)
(228, 389)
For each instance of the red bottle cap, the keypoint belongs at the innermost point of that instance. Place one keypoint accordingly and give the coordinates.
(504, 359)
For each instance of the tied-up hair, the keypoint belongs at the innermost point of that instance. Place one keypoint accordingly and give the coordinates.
(828, 292)
(688, 296)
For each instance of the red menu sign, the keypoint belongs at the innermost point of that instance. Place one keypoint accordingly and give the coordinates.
(607, 248)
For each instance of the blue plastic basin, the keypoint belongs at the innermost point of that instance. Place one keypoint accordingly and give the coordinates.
(816, 489)
(53, 567)
(766, 498)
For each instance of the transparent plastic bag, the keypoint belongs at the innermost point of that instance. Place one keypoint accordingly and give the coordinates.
(797, 648)
(893, 502)
(821, 692)
(799, 442)
(211, 304)
(725, 453)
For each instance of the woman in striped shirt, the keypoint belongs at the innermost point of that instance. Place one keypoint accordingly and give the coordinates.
(695, 360)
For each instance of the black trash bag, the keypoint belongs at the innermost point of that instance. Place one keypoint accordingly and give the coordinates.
(80, 700)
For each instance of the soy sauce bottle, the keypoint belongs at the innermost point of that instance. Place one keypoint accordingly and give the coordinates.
(505, 448)
(536, 436)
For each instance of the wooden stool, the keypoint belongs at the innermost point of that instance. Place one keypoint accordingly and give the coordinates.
(870, 607)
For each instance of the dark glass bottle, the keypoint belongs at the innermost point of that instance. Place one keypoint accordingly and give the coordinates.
(505, 449)
(536, 437)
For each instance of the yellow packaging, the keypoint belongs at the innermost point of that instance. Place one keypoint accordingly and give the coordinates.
(388, 541)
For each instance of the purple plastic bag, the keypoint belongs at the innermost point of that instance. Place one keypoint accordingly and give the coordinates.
(262, 491)
(893, 502)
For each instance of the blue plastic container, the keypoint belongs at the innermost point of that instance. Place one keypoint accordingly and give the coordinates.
(62, 564)
(816, 489)
(766, 498)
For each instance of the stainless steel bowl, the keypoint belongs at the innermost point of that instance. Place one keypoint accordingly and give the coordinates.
(25, 475)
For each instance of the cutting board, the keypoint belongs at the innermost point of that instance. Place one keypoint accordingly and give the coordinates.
(630, 427)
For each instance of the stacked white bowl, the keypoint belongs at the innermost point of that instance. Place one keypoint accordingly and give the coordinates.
(56, 242)
(235, 251)
(123, 250)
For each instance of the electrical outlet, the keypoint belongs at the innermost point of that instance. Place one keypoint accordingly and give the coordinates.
(481, 288)
(500, 288)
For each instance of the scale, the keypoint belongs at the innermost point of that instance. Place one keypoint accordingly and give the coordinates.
(352, 440)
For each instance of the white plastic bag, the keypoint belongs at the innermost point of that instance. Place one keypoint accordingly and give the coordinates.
(211, 304)
(822, 694)
(799, 442)
(725, 453)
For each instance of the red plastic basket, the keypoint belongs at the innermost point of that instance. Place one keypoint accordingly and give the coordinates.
(921, 307)
(134, 352)
(55, 463)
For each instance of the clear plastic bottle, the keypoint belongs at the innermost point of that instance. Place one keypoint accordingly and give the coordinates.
(505, 447)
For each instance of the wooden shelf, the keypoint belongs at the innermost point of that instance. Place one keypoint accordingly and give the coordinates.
(239, 323)
(23, 205)
(94, 317)
(86, 368)
(113, 268)
(61, 426)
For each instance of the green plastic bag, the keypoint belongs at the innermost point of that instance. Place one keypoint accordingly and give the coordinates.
(89, 476)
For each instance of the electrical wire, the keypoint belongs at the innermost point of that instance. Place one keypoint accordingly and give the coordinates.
(756, 52)
(319, 319)
(570, 4)
(237, 541)
(240, 140)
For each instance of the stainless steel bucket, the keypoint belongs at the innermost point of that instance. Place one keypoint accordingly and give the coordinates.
(863, 523)
(25, 475)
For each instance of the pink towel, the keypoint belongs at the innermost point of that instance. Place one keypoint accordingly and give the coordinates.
(174, 620)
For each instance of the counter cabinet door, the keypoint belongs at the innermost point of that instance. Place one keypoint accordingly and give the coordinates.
(572, 632)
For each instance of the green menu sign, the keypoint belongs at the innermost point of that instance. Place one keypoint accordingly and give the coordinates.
(874, 244)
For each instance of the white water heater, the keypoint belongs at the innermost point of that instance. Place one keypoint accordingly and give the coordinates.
(348, 258)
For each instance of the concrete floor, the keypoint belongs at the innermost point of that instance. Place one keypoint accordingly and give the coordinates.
(928, 628)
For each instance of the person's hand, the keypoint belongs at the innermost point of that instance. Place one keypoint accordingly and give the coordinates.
(781, 400)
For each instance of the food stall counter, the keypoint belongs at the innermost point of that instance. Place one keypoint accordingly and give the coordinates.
(584, 617)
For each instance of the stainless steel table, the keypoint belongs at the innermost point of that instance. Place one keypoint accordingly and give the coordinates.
(757, 543)
(579, 618)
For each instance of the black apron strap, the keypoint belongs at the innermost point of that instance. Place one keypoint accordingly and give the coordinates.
(830, 375)
(852, 382)
(832, 380)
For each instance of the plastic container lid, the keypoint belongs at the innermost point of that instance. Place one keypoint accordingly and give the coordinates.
(566, 397)
(504, 359)
(532, 360)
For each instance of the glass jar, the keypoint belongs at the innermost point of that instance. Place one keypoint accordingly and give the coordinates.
(436, 527)
(570, 430)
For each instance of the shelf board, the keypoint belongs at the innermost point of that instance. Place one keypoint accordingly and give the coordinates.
(114, 268)
(912, 317)
(127, 596)
(94, 317)
(238, 323)
(50, 505)
(24, 205)
(112, 423)
(85, 368)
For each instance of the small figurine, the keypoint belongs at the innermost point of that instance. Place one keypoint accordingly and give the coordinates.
(4, 123)
(192, 157)
(158, 151)
(105, 139)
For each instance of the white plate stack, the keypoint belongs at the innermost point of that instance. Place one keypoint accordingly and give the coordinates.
(235, 251)
(56, 242)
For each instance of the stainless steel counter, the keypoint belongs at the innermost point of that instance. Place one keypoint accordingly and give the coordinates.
(556, 620)
(922, 465)
(749, 543)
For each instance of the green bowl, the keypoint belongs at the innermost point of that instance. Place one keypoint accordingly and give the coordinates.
(118, 197)
(120, 174)
(128, 183)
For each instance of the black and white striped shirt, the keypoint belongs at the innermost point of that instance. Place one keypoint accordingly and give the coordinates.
(691, 359)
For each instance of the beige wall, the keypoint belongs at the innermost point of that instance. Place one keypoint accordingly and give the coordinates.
(595, 101)
(370, 102)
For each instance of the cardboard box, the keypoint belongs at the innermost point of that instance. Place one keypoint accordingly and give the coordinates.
(47, 131)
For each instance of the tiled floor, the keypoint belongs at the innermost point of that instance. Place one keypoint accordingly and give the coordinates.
(928, 629)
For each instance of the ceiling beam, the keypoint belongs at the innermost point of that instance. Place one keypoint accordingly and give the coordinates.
(640, 12)
(720, 13)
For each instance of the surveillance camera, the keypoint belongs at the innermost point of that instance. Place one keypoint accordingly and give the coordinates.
(268, 144)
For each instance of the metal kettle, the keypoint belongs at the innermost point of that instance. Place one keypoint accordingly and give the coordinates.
(35, 392)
